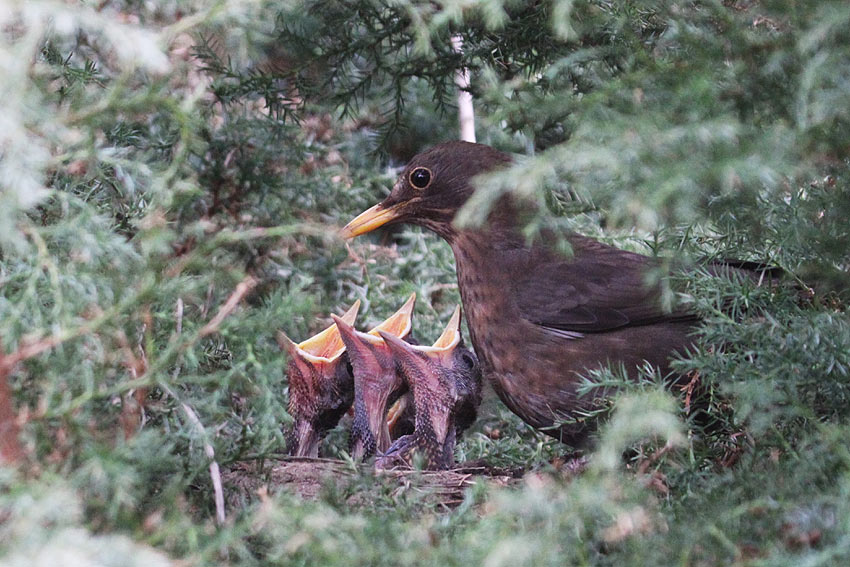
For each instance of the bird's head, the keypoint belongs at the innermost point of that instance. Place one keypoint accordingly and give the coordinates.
(431, 189)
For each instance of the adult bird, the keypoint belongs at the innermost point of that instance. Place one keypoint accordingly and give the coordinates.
(539, 320)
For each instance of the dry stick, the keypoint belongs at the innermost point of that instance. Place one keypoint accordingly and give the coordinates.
(215, 471)
(179, 315)
(241, 290)
(465, 111)
(30, 349)
(132, 417)
(10, 446)
(235, 298)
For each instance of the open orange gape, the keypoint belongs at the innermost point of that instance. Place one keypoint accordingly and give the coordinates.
(399, 390)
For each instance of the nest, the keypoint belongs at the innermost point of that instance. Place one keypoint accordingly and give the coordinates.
(306, 477)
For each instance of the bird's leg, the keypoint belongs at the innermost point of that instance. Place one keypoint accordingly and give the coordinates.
(432, 440)
(409, 449)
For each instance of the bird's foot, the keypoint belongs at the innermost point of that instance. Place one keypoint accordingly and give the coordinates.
(415, 451)
(397, 454)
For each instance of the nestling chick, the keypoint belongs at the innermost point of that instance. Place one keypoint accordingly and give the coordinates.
(321, 386)
(376, 382)
(446, 383)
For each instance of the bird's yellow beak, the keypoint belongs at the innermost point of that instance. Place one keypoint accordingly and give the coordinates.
(322, 349)
(370, 219)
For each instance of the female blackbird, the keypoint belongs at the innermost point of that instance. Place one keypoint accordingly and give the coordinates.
(376, 384)
(538, 319)
(446, 383)
(321, 386)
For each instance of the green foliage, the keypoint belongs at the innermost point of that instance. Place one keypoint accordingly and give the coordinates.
(158, 160)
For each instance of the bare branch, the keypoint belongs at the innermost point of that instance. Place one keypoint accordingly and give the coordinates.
(215, 472)
(465, 110)
(241, 290)
(10, 446)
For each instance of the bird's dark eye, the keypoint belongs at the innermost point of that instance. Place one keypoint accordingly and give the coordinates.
(468, 360)
(420, 177)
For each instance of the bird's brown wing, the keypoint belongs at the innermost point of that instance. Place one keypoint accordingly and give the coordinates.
(599, 289)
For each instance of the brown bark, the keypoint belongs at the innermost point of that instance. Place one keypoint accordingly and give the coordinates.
(11, 450)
